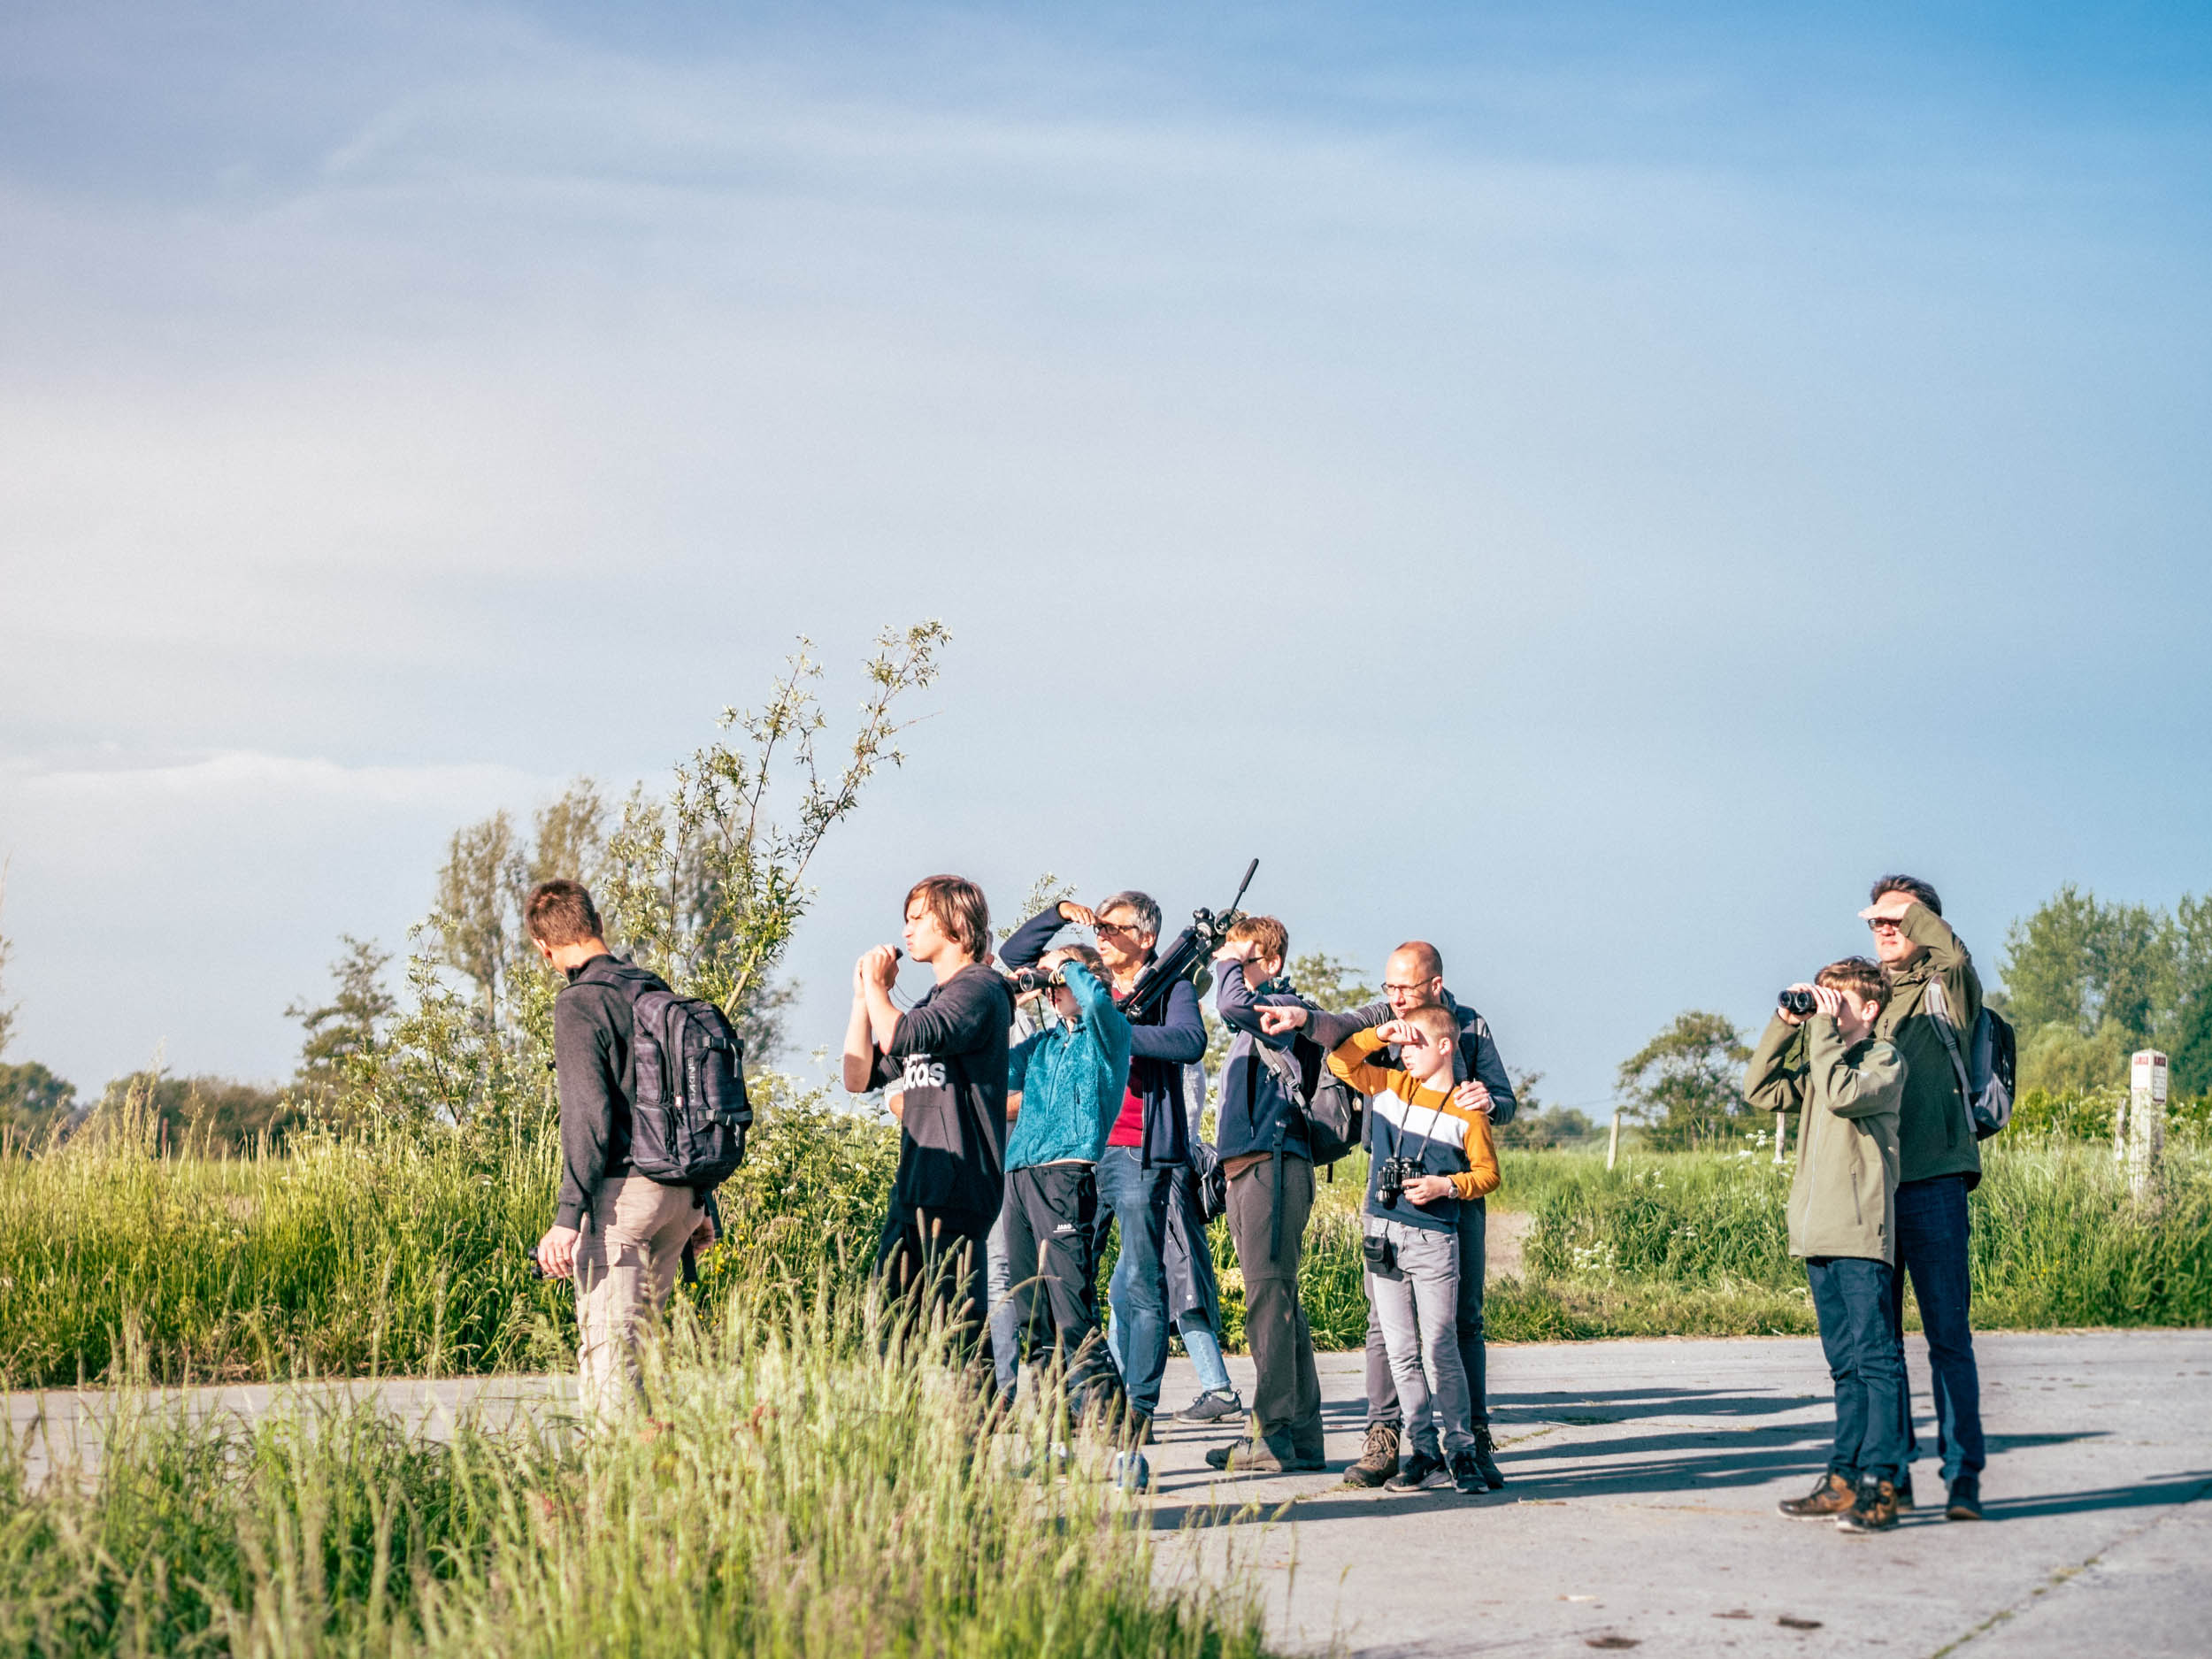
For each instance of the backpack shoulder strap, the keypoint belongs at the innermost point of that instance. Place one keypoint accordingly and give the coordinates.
(1939, 1007)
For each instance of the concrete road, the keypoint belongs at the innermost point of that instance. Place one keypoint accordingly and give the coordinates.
(1640, 1512)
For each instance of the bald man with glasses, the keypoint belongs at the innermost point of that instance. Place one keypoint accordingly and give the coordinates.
(1413, 979)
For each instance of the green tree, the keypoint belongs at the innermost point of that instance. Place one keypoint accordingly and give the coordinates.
(2191, 1055)
(346, 1030)
(478, 928)
(1686, 1083)
(476, 923)
(34, 1102)
(218, 1110)
(704, 886)
(2080, 962)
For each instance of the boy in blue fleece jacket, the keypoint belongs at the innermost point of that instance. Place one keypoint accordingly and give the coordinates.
(1066, 1088)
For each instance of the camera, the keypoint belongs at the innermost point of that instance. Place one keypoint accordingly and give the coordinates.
(535, 1269)
(1391, 1176)
(1798, 1002)
(1023, 980)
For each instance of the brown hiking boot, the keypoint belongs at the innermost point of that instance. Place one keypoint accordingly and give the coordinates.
(1377, 1459)
(1831, 1496)
(1875, 1510)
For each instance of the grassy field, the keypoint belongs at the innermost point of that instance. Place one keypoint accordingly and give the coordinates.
(404, 1254)
(796, 1491)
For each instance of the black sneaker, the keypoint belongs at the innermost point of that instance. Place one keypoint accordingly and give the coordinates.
(1423, 1469)
(1966, 1499)
(1212, 1407)
(1377, 1459)
(1467, 1474)
(1486, 1458)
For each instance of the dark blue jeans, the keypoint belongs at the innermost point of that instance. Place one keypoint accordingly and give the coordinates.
(1851, 1297)
(1137, 1198)
(1932, 1226)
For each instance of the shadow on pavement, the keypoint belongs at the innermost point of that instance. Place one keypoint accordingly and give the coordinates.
(2164, 1489)
(1617, 1404)
(1643, 1465)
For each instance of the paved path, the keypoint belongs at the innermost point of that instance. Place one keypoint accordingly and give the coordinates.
(1640, 1509)
(1640, 1512)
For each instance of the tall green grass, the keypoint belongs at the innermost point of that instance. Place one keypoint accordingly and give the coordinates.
(800, 1482)
(1697, 1244)
(403, 1253)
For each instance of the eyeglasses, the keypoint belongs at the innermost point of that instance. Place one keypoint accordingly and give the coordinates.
(1408, 990)
(1122, 928)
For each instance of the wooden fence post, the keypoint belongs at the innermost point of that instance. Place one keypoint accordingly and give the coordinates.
(2138, 1128)
(1613, 1141)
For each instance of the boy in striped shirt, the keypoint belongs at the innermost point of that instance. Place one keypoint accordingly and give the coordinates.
(1442, 1155)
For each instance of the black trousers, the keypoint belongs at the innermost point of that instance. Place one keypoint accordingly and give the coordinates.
(935, 1258)
(1052, 1214)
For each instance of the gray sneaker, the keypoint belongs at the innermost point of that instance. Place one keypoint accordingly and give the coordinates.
(1212, 1406)
(1422, 1470)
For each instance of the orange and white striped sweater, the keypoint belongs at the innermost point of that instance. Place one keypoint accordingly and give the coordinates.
(1423, 1125)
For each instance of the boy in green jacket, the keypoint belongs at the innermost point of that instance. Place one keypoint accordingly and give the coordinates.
(1847, 1082)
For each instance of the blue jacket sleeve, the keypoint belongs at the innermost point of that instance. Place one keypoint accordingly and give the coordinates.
(1032, 939)
(1240, 1009)
(1095, 1001)
(1109, 1022)
(1181, 1035)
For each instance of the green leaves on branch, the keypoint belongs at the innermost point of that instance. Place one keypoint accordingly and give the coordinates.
(704, 885)
(707, 887)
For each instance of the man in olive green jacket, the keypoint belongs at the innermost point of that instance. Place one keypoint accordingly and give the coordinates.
(1848, 1083)
(1931, 980)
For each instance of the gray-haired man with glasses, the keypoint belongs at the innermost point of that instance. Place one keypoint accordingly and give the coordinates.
(1414, 978)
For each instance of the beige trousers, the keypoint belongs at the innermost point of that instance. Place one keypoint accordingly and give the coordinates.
(625, 1265)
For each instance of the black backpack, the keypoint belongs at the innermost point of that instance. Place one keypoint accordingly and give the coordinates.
(688, 1123)
(1334, 1109)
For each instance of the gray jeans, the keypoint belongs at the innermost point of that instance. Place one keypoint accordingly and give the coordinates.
(1382, 1393)
(1416, 1302)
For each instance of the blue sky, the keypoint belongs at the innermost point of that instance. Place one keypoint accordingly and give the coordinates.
(1593, 485)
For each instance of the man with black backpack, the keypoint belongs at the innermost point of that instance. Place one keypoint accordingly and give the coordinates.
(1265, 1143)
(653, 1118)
(1934, 1005)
